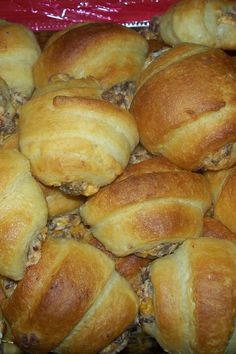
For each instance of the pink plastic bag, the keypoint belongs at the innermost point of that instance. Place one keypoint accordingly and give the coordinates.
(54, 15)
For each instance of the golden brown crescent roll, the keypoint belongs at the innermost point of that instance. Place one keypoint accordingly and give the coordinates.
(19, 50)
(223, 189)
(185, 107)
(207, 22)
(214, 228)
(149, 210)
(75, 140)
(23, 213)
(109, 52)
(72, 301)
(188, 301)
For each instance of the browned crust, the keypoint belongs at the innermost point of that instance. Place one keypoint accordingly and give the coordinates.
(210, 23)
(148, 227)
(214, 228)
(95, 138)
(23, 213)
(167, 300)
(144, 209)
(19, 51)
(153, 164)
(73, 49)
(107, 322)
(213, 266)
(202, 296)
(129, 266)
(192, 86)
(139, 188)
(54, 296)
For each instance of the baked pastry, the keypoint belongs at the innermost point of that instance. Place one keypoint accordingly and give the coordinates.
(88, 87)
(184, 106)
(109, 52)
(23, 215)
(75, 140)
(19, 51)
(188, 295)
(58, 202)
(76, 300)
(207, 22)
(151, 208)
(214, 228)
(223, 189)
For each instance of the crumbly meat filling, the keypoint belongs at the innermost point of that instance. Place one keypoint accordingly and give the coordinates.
(8, 286)
(120, 94)
(219, 159)
(118, 344)
(145, 295)
(69, 226)
(139, 154)
(78, 188)
(227, 15)
(158, 251)
(8, 115)
(34, 253)
(153, 30)
(17, 98)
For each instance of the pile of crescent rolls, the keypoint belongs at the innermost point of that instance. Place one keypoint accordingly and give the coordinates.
(118, 185)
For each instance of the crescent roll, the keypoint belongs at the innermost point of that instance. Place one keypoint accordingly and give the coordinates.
(74, 139)
(148, 210)
(72, 301)
(23, 214)
(185, 107)
(207, 22)
(188, 295)
(19, 51)
(109, 52)
(223, 189)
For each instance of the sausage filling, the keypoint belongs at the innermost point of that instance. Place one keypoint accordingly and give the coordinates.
(227, 16)
(8, 116)
(145, 295)
(219, 159)
(121, 94)
(68, 226)
(159, 250)
(78, 188)
(139, 154)
(118, 344)
(34, 253)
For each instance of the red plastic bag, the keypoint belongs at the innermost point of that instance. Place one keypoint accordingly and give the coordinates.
(54, 15)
